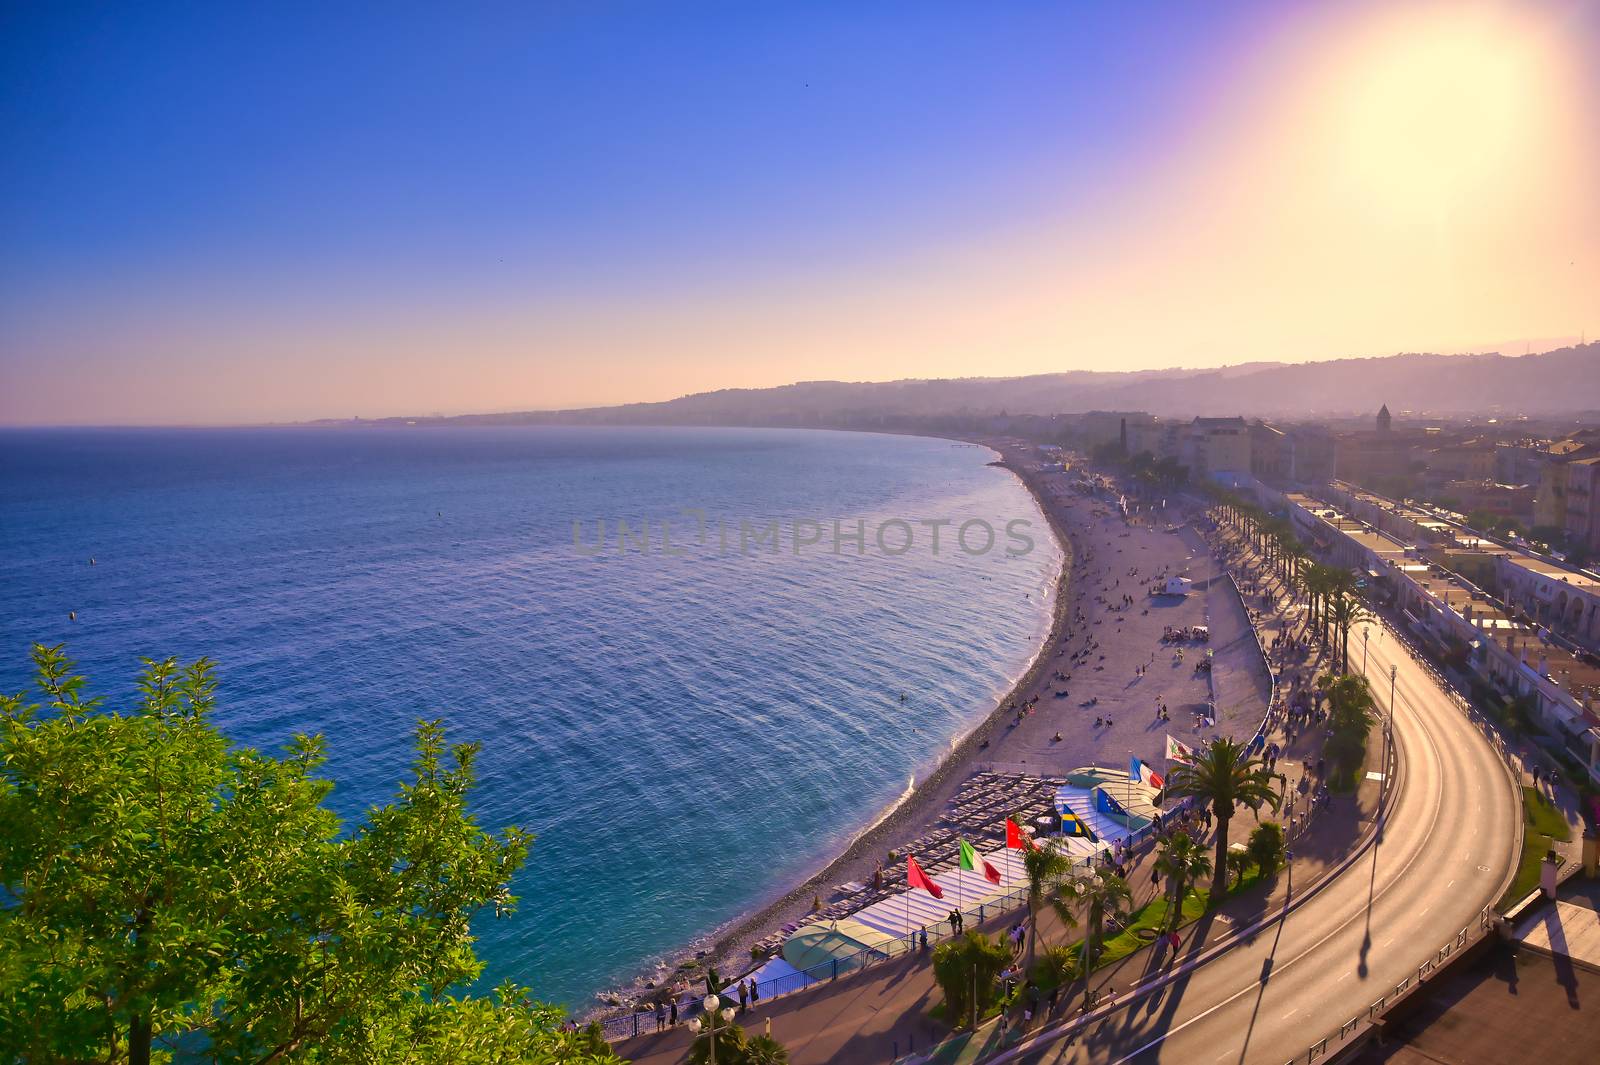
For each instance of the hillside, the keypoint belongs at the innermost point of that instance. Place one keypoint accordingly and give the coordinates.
(1563, 381)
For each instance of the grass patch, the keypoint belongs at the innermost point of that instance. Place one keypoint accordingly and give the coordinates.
(1542, 815)
(1542, 825)
(1153, 915)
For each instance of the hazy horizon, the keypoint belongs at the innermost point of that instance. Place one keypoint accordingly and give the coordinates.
(224, 217)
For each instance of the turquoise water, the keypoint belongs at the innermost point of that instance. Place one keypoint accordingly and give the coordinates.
(686, 732)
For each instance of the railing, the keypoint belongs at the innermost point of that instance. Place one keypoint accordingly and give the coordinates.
(1335, 1041)
(629, 1025)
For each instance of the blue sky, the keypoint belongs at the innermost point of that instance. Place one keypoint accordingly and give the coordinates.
(214, 212)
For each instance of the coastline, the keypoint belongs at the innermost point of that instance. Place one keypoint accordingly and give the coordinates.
(727, 948)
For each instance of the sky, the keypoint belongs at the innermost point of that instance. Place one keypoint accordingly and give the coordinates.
(228, 213)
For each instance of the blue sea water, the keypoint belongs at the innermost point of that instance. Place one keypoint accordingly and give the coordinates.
(688, 727)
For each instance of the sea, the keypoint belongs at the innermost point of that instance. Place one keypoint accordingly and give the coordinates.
(691, 713)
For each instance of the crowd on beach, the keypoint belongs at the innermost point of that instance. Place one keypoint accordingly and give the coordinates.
(1108, 596)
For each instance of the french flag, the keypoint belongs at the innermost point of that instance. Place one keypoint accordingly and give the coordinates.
(1144, 774)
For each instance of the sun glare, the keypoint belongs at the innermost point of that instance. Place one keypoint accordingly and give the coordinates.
(1436, 111)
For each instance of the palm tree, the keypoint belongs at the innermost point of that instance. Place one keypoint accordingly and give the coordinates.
(1351, 715)
(1224, 775)
(1182, 861)
(1103, 894)
(1047, 869)
(1346, 611)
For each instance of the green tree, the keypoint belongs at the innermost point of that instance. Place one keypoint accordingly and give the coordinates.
(967, 964)
(1351, 715)
(1047, 869)
(1102, 894)
(163, 885)
(732, 1042)
(1182, 862)
(1346, 611)
(765, 1050)
(1224, 776)
(1265, 847)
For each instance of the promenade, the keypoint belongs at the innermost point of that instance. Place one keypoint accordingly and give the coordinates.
(874, 1015)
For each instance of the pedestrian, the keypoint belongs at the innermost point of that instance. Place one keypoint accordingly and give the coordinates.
(755, 994)
(924, 939)
(673, 1022)
(744, 996)
(661, 1016)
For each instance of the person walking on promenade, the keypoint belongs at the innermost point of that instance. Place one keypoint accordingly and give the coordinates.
(744, 995)
(673, 1022)
(755, 995)
(661, 1016)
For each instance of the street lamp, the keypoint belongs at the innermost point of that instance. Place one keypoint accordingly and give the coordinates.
(1393, 669)
(711, 1002)
(1366, 635)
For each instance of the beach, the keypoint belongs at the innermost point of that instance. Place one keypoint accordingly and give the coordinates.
(1105, 639)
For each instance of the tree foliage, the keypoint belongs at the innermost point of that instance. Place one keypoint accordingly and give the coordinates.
(1265, 847)
(1103, 895)
(1351, 715)
(1183, 862)
(1223, 775)
(1047, 869)
(164, 889)
(969, 962)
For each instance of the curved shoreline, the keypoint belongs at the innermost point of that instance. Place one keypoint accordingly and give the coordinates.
(727, 947)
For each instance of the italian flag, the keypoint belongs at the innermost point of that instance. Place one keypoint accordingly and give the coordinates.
(971, 859)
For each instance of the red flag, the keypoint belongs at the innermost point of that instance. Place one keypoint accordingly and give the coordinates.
(1016, 839)
(918, 879)
(990, 873)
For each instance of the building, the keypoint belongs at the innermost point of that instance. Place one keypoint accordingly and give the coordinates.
(1506, 501)
(1109, 426)
(1467, 625)
(1312, 454)
(1471, 461)
(1382, 457)
(1583, 505)
(1160, 438)
(1215, 446)
(1550, 496)
(1270, 455)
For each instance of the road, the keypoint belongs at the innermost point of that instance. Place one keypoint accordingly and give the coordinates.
(1445, 852)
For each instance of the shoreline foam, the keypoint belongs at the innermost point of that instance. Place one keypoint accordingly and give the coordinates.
(727, 946)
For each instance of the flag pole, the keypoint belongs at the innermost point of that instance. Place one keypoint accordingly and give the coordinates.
(911, 938)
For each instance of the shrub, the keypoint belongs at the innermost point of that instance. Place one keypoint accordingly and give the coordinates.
(1265, 847)
(1057, 966)
(955, 962)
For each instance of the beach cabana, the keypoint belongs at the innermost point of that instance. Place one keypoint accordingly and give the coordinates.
(821, 943)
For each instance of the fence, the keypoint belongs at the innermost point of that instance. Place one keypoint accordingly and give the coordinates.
(629, 1025)
(1336, 1041)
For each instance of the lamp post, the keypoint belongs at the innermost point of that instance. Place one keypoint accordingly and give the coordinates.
(1366, 635)
(1393, 669)
(711, 1004)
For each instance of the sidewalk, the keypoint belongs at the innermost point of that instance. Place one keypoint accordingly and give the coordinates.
(874, 1016)
(884, 1012)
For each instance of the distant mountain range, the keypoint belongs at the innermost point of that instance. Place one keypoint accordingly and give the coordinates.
(1564, 381)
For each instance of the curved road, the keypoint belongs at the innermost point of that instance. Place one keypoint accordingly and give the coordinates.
(1445, 852)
